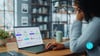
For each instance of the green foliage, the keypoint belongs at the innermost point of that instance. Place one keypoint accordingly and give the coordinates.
(4, 34)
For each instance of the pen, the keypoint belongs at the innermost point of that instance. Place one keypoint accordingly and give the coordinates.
(11, 53)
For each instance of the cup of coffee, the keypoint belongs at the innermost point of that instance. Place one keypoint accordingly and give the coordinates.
(59, 36)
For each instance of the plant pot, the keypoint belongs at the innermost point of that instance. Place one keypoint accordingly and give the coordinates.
(2, 42)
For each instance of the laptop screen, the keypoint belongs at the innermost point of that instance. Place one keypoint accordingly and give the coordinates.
(28, 36)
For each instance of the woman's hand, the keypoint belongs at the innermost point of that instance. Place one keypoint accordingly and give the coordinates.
(57, 46)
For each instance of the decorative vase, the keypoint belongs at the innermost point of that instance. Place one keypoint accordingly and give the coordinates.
(2, 42)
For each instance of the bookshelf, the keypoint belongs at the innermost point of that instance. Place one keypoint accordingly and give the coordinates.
(62, 10)
(41, 16)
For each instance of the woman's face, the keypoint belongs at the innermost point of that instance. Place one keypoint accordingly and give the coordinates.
(76, 7)
(79, 13)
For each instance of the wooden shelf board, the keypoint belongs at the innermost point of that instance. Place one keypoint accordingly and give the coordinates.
(40, 5)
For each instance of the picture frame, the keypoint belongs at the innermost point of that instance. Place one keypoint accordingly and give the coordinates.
(24, 21)
(57, 27)
(24, 8)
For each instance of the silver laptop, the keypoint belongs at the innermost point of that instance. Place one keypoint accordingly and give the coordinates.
(29, 39)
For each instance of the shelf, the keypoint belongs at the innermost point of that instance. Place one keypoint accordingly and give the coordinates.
(46, 14)
(41, 14)
(65, 22)
(41, 22)
(44, 30)
(40, 5)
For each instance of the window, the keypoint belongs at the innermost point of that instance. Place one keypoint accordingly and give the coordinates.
(7, 14)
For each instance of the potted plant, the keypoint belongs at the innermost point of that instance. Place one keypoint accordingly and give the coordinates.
(3, 36)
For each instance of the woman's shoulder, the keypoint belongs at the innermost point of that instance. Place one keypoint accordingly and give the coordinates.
(96, 20)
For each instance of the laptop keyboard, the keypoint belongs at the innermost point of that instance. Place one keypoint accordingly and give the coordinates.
(35, 49)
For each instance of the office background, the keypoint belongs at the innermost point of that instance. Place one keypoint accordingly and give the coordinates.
(48, 15)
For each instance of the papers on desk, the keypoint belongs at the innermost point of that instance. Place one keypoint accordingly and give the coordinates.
(11, 53)
(12, 46)
(12, 50)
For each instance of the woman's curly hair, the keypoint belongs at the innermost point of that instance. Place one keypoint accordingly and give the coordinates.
(91, 8)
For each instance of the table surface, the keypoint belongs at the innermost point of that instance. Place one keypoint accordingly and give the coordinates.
(62, 52)
(48, 53)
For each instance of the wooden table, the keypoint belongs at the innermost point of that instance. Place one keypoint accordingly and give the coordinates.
(49, 53)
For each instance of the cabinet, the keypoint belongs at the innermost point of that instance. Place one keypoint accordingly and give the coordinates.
(41, 16)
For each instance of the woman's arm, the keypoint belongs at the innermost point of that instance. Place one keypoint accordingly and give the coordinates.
(78, 41)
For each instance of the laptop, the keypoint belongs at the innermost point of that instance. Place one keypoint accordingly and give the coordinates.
(29, 39)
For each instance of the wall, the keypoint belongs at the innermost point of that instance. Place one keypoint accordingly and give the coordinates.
(20, 14)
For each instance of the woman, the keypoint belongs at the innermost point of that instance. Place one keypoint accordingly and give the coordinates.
(89, 40)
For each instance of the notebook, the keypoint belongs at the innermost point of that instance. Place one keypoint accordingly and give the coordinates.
(11, 53)
(29, 39)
